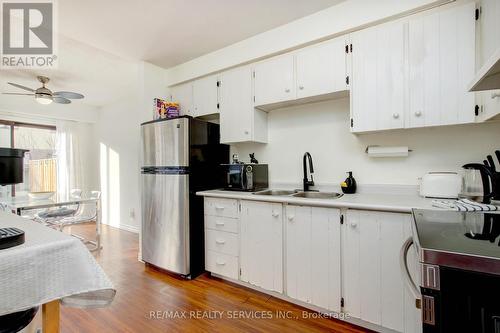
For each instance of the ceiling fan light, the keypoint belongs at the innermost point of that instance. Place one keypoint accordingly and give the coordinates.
(43, 99)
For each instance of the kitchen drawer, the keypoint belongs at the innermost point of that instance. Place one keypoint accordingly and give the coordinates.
(221, 223)
(221, 264)
(221, 241)
(221, 207)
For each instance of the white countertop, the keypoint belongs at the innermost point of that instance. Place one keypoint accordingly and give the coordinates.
(400, 203)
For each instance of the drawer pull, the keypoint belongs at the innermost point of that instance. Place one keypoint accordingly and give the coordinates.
(220, 223)
(220, 241)
(275, 214)
(219, 207)
(220, 263)
(291, 217)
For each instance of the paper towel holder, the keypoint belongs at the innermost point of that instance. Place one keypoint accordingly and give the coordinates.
(369, 146)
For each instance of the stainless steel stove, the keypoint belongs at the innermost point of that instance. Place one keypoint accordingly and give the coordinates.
(459, 254)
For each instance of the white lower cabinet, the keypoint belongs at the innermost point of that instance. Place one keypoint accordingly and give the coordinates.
(309, 255)
(261, 251)
(313, 256)
(222, 227)
(373, 285)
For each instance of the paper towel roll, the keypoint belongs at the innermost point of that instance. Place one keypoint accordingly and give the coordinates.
(379, 151)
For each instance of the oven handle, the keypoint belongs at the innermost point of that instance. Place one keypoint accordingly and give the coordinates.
(410, 284)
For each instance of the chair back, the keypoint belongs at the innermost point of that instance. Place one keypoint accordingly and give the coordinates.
(95, 194)
(76, 193)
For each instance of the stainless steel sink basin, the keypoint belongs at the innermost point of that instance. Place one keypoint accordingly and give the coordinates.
(317, 195)
(275, 192)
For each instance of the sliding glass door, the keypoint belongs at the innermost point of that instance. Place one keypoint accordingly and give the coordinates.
(40, 164)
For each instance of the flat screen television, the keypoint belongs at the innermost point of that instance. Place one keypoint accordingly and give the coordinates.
(11, 166)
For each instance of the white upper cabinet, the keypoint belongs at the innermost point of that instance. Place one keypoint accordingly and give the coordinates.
(321, 69)
(378, 77)
(274, 80)
(205, 96)
(313, 256)
(441, 51)
(373, 283)
(489, 32)
(239, 121)
(261, 251)
(183, 94)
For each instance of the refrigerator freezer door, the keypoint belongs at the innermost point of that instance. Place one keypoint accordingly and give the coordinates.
(165, 143)
(165, 221)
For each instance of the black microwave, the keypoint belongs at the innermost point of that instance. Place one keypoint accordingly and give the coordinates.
(246, 177)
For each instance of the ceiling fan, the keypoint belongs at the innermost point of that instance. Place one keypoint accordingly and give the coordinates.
(43, 95)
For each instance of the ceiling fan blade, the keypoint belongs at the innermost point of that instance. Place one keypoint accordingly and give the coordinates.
(60, 100)
(18, 94)
(20, 86)
(68, 94)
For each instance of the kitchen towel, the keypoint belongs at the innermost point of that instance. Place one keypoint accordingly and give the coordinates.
(463, 205)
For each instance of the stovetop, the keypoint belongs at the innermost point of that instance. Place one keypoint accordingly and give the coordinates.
(466, 240)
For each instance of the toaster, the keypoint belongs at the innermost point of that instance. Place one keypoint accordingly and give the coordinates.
(445, 185)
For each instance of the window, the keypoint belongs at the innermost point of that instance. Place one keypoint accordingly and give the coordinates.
(40, 164)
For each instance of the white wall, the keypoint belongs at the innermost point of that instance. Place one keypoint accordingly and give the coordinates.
(118, 145)
(333, 21)
(323, 130)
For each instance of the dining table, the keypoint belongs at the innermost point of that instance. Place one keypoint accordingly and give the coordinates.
(24, 204)
(48, 270)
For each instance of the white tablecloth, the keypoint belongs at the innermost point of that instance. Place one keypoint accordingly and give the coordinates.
(50, 265)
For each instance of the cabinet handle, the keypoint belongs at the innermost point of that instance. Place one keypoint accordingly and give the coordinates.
(246, 132)
(287, 90)
(353, 225)
(418, 113)
(301, 87)
(275, 214)
(220, 241)
(495, 95)
(219, 223)
(291, 217)
(219, 207)
(395, 115)
(220, 263)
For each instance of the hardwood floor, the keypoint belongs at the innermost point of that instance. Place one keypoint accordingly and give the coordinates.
(145, 297)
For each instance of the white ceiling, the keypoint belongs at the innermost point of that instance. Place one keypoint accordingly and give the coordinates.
(170, 32)
(102, 41)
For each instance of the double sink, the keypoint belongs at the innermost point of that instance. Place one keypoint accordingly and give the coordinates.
(301, 194)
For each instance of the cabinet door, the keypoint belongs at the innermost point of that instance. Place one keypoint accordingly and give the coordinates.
(378, 77)
(441, 66)
(205, 96)
(183, 94)
(236, 106)
(373, 283)
(261, 255)
(274, 80)
(321, 69)
(489, 32)
(313, 256)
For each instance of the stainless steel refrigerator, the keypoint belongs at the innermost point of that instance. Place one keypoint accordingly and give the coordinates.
(180, 157)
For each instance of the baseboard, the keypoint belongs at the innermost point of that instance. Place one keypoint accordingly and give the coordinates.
(125, 227)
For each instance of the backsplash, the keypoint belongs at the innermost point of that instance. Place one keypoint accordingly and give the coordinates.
(323, 130)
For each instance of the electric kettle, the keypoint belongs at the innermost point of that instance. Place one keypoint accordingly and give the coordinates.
(484, 175)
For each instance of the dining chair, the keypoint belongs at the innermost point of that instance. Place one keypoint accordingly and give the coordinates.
(87, 213)
(52, 215)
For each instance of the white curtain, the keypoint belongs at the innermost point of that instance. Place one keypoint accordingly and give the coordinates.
(69, 160)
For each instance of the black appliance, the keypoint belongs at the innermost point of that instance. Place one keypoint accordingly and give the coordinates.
(246, 177)
(11, 166)
(490, 177)
(459, 254)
